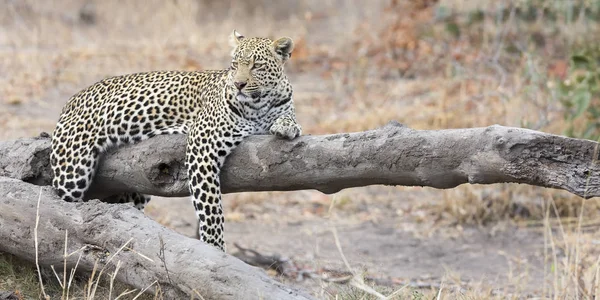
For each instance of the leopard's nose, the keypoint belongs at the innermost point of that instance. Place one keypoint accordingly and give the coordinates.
(240, 84)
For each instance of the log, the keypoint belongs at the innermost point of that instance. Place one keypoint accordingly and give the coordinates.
(181, 266)
(391, 155)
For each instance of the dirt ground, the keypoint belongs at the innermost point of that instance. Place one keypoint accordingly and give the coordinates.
(491, 238)
(375, 240)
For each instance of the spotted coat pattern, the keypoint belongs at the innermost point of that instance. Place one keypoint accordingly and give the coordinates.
(216, 109)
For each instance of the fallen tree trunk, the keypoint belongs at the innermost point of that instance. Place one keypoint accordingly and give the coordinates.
(391, 155)
(182, 267)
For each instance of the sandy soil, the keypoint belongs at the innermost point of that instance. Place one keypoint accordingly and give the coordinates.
(386, 247)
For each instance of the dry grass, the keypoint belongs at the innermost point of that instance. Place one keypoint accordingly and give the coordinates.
(21, 277)
(64, 284)
(354, 68)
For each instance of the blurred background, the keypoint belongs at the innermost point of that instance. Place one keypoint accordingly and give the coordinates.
(357, 65)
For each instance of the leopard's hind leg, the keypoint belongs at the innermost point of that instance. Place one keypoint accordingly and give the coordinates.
(74, 159)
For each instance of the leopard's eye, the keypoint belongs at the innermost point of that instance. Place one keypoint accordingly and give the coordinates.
(257, 66)
(234, 65)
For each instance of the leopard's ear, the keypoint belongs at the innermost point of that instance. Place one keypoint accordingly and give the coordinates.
(282, 48)
(235, 38)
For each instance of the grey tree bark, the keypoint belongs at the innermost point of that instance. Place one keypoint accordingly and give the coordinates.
(391, 155)
(181, 266)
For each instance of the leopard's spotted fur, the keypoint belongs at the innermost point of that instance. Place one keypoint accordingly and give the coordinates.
(216, 109)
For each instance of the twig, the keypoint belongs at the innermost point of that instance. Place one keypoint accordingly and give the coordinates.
(93, 283)
(161, 255)
(35, 237)
(112, 279)
(502, 34)
(288, 268)
(63, 283)
(142, 291)
(282, 265)
(356, 280)
(139, 254)
(65, 293)
(339, 247)
(439, 292)
(125, 293)
(72, 275)
(197, 294)
(58, 278)
(90, 284)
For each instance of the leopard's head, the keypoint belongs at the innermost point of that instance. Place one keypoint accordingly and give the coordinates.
(257, 65)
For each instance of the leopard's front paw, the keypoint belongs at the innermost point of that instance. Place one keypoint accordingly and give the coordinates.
(286, 127)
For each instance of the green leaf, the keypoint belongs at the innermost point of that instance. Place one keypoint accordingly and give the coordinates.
(595, 83)
(564, 89)
(581, 77)
(582, 100)
(453, 29)
(594, 113)
(580, 61)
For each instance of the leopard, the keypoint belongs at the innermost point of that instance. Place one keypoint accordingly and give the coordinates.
(215, 109)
